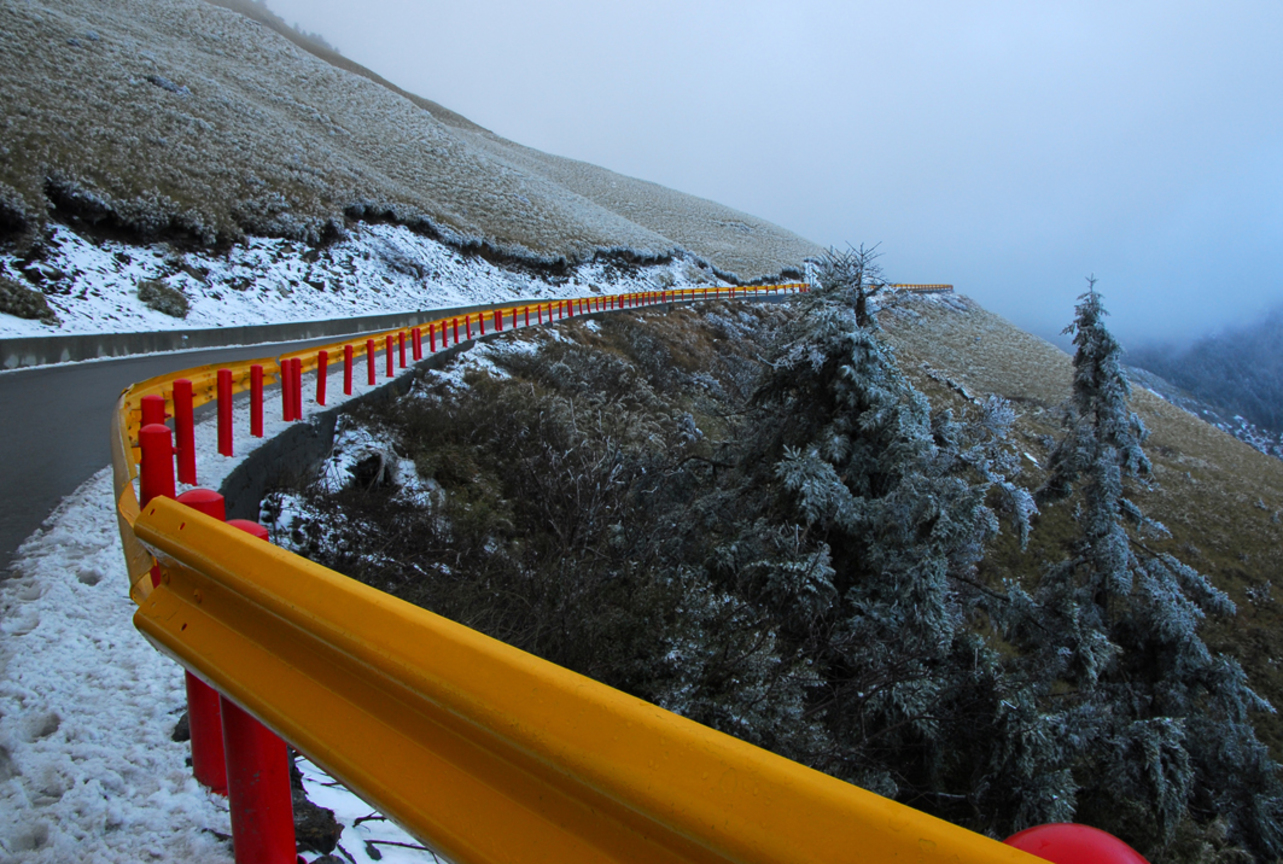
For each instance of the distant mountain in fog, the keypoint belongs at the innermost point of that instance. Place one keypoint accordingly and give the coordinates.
(1239, 371)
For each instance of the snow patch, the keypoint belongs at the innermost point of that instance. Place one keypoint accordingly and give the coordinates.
(376, 268)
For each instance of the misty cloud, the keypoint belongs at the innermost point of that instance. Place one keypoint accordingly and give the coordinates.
(1008, 148)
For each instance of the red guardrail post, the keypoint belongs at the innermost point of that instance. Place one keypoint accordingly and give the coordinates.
(296, 366)
(498, 321)
(401, 341)
(432, 337)
(287, 384)
(322, 370)
(204, 719)
(347, 370)
(387, 353)
(467, 323)
(481, 322)
(258, 779)
(416, 336)
(256, 400)
(184, 431)
(155, 471)
(369, 361)
(152, 407)
(225, 411)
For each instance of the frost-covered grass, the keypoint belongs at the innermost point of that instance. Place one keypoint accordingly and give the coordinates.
(1222, 499)
(94, 287)
(179, 116)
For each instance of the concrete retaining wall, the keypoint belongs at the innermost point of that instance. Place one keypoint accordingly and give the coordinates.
(292, 456)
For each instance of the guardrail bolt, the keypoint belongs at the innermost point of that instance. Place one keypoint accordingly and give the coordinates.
(185, 431)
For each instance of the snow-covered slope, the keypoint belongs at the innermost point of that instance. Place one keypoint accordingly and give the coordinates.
(93, 287)
(180, 117)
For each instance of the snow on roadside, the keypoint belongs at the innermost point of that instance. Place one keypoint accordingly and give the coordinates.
(88, 770)
(376, 268)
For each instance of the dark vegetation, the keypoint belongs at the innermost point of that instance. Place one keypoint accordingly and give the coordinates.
(156, 295)
(24, 302)
(754, 519)
(1239, 371)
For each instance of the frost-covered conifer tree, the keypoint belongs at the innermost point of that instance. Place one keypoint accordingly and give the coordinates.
(1148, 727)
(902, 502)
(855, 276)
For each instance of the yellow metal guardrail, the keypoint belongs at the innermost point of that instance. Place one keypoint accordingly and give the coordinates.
(127, 417)
(484, 752)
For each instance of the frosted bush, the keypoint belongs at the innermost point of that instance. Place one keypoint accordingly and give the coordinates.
(23, 302)
(162, 298)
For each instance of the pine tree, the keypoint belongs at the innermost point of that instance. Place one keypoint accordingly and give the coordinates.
(902, 501)
(1154, 729)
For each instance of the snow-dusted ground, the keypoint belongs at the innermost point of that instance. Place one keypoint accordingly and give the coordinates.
(88, 770)
(376, 268)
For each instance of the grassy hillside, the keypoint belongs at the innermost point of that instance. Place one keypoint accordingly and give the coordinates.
(1221, 499)
(180, 118)
(607, 495)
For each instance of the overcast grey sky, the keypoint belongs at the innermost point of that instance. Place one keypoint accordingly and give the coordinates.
(1010, 148)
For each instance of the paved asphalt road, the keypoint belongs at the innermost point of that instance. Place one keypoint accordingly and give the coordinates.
(55, 423)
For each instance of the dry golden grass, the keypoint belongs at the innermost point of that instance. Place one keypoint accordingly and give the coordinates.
(181, 117)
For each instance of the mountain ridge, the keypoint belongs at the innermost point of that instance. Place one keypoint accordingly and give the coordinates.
(190, 120)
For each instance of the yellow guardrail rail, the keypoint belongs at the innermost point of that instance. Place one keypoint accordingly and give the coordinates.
(484, 752)
(126, 419)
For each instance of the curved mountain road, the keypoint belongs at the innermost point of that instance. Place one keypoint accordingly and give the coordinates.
(55, 422)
